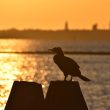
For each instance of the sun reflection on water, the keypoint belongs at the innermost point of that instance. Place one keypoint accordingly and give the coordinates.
(12, 68)
(21, 67)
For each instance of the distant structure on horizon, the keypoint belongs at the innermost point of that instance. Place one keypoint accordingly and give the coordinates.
(109, 25)
(66, 28)
(94, 27)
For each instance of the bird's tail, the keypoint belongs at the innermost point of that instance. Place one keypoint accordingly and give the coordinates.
(84, 78)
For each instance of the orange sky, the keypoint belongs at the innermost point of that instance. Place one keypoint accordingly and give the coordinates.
(52, 14)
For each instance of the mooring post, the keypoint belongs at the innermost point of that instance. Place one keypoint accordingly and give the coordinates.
(65, 95)
(25, 96)
(61, 95)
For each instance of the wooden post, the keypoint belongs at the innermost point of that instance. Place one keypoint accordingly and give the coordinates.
(61, 95)
(25, 96)
(65, 95)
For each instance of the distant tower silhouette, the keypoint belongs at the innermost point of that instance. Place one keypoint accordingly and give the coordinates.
(94, 27)
(66, 26)
(109, 25)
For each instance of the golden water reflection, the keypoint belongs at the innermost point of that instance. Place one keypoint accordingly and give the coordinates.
(13, 67)
(22, 67)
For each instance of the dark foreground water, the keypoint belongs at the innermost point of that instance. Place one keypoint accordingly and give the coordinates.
(41, 68)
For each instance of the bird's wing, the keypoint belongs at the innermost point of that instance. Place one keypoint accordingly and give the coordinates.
(71, 62)
(67, 65)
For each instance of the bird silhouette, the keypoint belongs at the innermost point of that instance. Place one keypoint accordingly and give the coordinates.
(67, 65)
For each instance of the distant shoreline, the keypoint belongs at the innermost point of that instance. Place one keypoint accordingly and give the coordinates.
(66, 52)
(75, 35)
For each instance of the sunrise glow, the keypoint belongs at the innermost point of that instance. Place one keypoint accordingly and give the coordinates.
(51, 14)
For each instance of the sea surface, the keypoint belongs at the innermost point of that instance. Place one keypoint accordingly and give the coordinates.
(40, 68)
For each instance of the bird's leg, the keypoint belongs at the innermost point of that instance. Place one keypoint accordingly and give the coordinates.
(71, 78)
(65, 77)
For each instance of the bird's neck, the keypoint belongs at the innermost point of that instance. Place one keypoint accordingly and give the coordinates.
(60, 54)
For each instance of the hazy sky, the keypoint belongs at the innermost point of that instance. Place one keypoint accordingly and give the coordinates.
(52, 14)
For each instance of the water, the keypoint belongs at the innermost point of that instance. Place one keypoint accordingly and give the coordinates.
(40, 68)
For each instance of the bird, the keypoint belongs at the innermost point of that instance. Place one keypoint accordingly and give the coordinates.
(67, 65)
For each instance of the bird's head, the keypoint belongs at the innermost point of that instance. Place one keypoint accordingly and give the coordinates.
(56, 50)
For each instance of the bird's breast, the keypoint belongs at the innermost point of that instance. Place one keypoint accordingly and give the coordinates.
(60, 61)
(57, 59)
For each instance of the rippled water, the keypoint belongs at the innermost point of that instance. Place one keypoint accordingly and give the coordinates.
(41, 68)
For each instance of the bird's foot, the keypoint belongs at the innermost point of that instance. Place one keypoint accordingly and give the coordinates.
(64, 79)
(71, 78)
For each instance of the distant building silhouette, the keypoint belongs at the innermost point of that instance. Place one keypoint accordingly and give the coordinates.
(94, 27)
(109, 25)
(66, 26)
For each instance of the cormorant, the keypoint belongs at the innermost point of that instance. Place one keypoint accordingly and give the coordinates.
(67, 65)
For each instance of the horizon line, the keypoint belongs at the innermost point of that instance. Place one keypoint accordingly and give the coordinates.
(63, 29)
